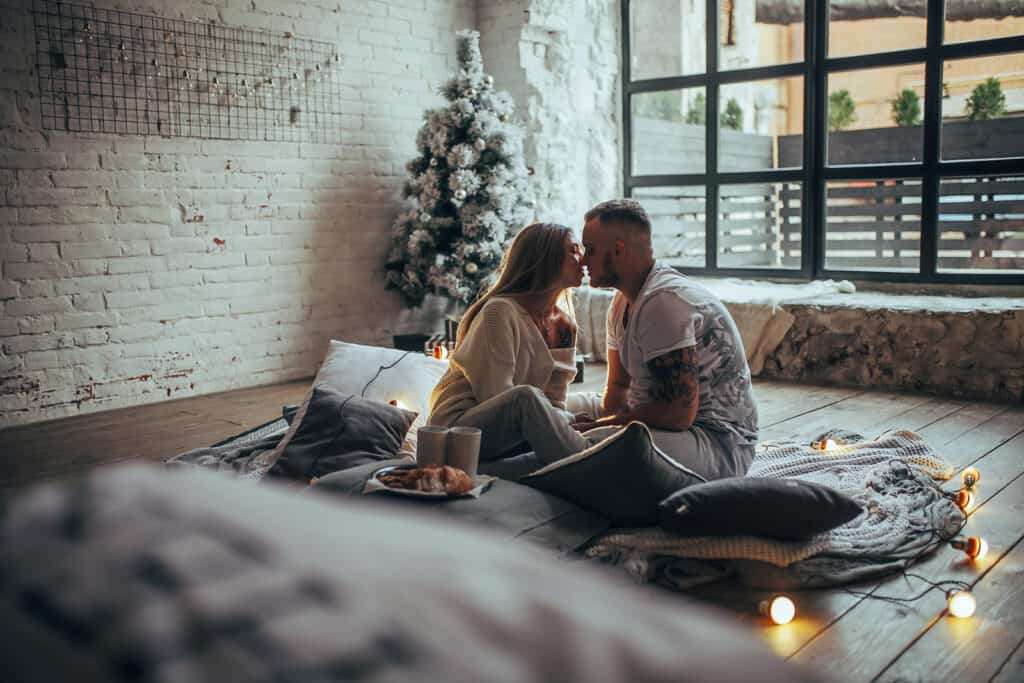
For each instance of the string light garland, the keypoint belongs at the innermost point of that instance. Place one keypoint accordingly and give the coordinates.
(960, 602)
(964, 499)
(780, 609)
(970, 477)
(975, 547)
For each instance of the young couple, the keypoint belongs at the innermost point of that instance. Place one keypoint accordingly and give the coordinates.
(675, 359)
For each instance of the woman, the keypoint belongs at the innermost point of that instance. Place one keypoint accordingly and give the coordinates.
(515, 352)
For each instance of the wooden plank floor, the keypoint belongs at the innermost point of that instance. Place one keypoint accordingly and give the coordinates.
(850, 637)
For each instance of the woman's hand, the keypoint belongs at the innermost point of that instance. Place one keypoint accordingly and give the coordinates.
(563, 332)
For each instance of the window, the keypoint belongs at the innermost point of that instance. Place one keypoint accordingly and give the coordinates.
(804, 139)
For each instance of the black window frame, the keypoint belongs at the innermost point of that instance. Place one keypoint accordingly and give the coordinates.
(815, 174)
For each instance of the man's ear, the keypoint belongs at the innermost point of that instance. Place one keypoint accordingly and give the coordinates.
(619, 247)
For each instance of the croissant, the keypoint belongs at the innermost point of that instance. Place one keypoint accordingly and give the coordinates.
(431, 479)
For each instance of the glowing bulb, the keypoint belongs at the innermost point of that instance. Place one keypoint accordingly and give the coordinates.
(399, 404)
(441, 352)
(965, 499)
(779, 609)
(962, 604)
(974, 547)
(830, 445)
(971, 476)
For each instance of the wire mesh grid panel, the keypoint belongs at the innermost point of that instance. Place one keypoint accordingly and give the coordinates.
(109, 71)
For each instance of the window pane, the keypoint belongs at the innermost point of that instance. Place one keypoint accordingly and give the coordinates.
(759, 225)
(668, 131)
(981, 224)
(982, 99)
(666, 38)
(973, 20)
(761, 124)
(857, 28)
(875, 115)
(678, 221)
(759, 34)
(873, 225)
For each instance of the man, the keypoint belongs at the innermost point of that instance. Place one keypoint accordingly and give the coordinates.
(675, 358)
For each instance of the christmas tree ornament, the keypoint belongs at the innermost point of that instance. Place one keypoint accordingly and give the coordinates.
(470, 93)
(488, 80)
(424, 217)
(433, 162)
(460, 194)
(471, 268)
(480, 144)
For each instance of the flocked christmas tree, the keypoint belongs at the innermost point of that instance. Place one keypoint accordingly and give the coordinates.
(469, 187)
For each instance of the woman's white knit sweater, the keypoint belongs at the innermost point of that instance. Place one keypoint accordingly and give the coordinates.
(502, 349)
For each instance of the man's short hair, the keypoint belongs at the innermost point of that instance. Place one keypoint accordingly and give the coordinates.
(626, 211)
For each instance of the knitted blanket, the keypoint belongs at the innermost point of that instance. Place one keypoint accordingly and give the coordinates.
(893, 476)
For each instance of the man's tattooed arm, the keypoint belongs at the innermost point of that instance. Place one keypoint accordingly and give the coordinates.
(674, 376)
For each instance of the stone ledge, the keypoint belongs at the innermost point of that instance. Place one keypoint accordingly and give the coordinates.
(951, 346)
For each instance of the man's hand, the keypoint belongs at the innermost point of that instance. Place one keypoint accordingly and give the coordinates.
(581, 422)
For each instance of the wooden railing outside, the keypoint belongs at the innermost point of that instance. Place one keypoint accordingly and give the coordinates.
(870, 224)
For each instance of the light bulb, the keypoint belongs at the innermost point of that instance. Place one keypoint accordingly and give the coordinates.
(779, 609)
(965, 499)
(441, 352)
(830, 445)
(974, 547)
(399, 404)
(971, 476)
(962, 604)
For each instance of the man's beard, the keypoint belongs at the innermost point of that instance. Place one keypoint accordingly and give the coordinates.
(609, 278)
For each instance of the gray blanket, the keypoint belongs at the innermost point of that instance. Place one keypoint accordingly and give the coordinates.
(893, 476)
(245, 455)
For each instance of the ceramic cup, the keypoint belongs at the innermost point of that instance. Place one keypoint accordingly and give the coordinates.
(464, 448)
(431, 445)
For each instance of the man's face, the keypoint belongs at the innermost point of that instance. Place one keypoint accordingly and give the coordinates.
(599, 246)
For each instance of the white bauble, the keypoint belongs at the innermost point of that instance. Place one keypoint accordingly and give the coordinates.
(471, 268)
(460, 194)
(424, 217)
(480, 144)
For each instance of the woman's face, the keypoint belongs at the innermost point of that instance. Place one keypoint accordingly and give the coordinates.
(572, 266)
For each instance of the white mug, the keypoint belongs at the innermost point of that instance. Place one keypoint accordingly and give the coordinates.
(431, 445)
(464, 448)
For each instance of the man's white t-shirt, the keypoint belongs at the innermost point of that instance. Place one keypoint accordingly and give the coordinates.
(672, 312)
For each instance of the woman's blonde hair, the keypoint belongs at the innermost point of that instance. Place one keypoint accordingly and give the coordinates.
(531, 265)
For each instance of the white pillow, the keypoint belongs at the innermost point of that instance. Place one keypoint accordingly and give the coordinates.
(348, 368)
(406, 376)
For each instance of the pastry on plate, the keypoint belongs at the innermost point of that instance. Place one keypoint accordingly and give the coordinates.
(431, 479)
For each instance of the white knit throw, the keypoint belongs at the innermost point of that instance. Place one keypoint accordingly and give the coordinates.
(893, 476)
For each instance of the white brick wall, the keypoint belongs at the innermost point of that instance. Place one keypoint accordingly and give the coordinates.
(138, 269)
(560, 61)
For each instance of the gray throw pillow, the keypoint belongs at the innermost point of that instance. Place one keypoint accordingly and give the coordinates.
(785, 509)
(338, 431)
(623, 477)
